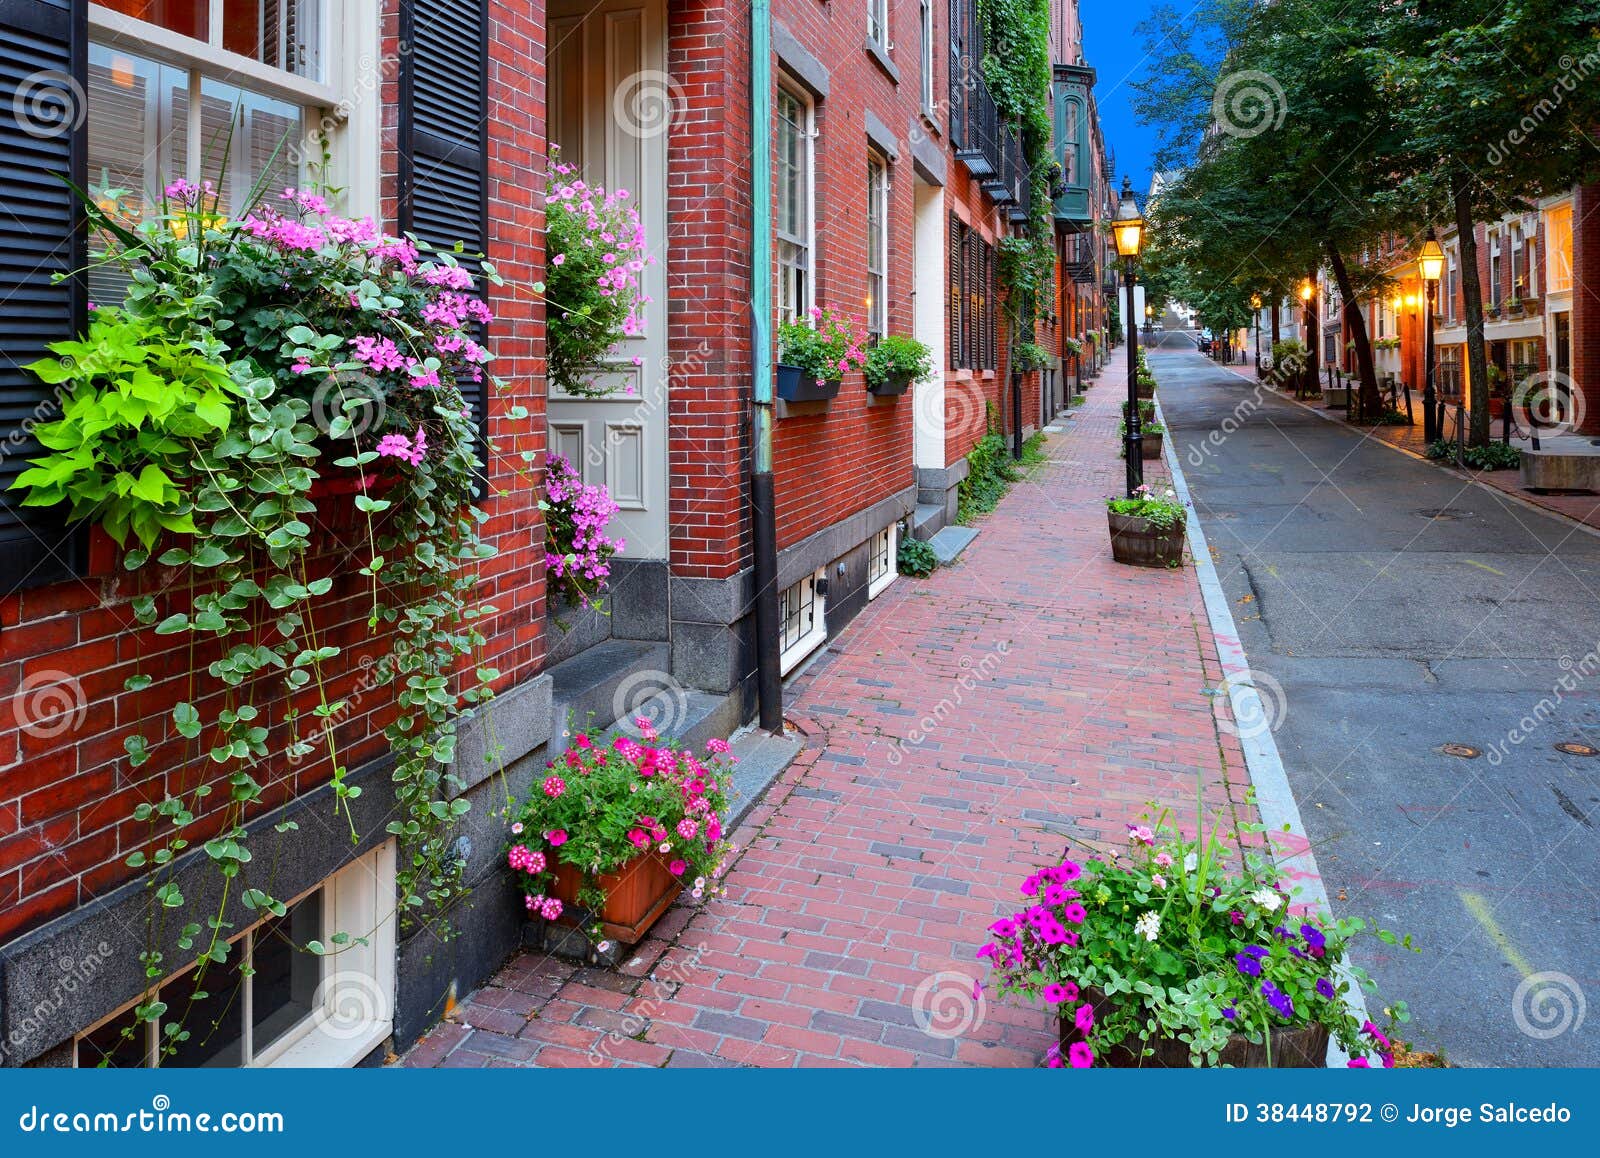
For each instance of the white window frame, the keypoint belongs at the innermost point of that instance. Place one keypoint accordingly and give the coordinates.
(798, 309)
(1496, 294)
(877, 302)
(343, 104)
(797, 646)
(878, 23)
(1452, 281)
(889, 539)
(354, 1010)
(926, 18)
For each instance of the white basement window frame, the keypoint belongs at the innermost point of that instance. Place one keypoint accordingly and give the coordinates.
(881, 560)
(802, 619)
(345, 997)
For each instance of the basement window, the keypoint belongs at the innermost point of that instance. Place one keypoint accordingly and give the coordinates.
(881, 560)
(275, 1003)
(804, 625)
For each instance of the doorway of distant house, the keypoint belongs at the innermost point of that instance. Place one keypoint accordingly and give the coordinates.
(611, 106)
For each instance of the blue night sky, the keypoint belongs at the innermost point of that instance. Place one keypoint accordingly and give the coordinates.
(1114, 51)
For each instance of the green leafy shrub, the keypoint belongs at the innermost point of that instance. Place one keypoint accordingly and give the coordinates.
(898, 354)
(1492, 456)
(1031, 356)
(916, 558)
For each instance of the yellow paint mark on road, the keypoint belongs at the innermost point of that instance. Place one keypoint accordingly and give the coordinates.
(1483, 567)
(1271, 570)
(1479, 908)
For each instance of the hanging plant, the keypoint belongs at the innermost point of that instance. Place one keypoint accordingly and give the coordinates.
(251, 360)
(593, 287)
(577, 550)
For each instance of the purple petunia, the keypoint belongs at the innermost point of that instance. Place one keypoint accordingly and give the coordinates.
(1247, 965)
(1229, 1013)
(1278, 999)
(1325, 987)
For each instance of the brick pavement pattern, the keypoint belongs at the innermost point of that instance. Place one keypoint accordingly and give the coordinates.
(956, 734)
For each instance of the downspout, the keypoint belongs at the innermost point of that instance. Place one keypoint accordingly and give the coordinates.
(763, 512)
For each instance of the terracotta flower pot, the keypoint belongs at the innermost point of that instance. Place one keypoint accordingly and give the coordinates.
(1136, 542)
(1293, 1047)
(637, 894)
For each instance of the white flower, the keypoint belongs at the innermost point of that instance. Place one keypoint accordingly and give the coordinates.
(1268, 899)
(666, 846)
(1148, 926)
(1191, 862)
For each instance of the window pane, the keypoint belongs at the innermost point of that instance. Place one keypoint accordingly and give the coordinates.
(286, 977)
(282, 33)
(245, 143)
(188, 17)
(119, 1044)
(215, 1022)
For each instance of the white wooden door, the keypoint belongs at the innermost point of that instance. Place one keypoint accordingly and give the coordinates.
(611, 105)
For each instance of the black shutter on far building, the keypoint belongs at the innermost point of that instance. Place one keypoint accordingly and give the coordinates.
(953, 261)
(43, 87)
(444, 133)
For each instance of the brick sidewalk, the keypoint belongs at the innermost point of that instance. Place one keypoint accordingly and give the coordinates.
(955, 732)
(1579, 508)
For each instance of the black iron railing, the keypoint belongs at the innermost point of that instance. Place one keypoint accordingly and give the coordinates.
(974, 121)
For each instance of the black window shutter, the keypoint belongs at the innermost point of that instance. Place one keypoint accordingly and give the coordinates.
(953, 261)
(43, 111)
(444, 136)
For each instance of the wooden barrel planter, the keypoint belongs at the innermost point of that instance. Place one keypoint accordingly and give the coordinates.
(1136, 542)
(1149, 445)
(1147, 391)
(637, 894)
(1293, 1047)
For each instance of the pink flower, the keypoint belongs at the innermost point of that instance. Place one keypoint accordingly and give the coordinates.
(557, 837)
(1080, 1055)
(717, 746)
(1084, 1018)
(687, 828)
(554, 786)
(1164, 859)
(678, 867)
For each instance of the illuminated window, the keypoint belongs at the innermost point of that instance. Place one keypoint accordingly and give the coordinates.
(1558, 248)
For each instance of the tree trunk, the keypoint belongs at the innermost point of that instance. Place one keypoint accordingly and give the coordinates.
(1472, 296)
(1371, 403)
(1277, 309)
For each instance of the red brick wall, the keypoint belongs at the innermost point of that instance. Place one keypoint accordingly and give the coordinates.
(1585, 303)
(67, 790)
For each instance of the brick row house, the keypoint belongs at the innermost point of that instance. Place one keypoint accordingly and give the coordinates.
(893, 188)
(1532, 267)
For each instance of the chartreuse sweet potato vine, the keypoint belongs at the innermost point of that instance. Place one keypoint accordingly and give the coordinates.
(249, 359)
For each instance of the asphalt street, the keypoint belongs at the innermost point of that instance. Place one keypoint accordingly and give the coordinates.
(1389, 610)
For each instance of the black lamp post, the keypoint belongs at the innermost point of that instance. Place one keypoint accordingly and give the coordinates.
(1255, 321)
(1128, 229)
(1430, 264)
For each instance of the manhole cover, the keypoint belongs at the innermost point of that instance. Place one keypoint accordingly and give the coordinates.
(1443, 513)
(1574, 749)
(1465, 751)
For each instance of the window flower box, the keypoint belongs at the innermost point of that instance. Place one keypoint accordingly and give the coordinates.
(796, 384)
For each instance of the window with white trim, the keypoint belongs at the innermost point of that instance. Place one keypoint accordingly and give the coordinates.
(1496, 293)
(1519, 287)
(881, 551)
(209, 90)
(927, 56)
(795, 197)
(878, 23)
(1452, 284)
(276, 1000)
(877, 246)
(804, 624)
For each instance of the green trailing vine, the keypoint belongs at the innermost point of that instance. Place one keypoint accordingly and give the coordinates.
(1016, 67)
(259, 373)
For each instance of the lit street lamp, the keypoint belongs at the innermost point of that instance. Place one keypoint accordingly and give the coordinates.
(1430, 264)
(1308, 368)
(1255, 320)
(1128, 229)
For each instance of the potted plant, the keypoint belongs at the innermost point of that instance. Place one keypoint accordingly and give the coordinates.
(1029, 356)
(1184, 952)
(1072, 347)
(577, 552)
(815, 355)
(615, 831)
(1150, 438)
(894, 363)
(1146, 386)
(1146, 530)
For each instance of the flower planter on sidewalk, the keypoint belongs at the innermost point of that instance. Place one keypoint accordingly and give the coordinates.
(1139, 543)
(637, 895)
(1149, 445)
(1293, 1047)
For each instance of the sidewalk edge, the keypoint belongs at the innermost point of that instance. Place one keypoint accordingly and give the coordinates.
(1274, 798)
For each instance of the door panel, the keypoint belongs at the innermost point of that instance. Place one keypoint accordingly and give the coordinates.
(607, 81)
